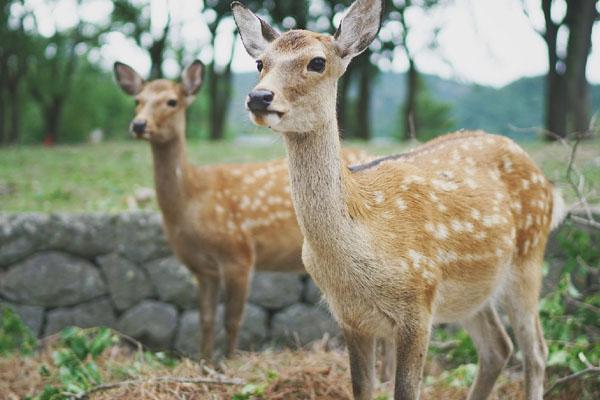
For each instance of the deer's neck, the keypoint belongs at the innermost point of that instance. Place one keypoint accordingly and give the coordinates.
(172, 174)
(320, 186)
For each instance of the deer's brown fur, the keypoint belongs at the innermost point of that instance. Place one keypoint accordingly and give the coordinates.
(441, 234)
(221, 221)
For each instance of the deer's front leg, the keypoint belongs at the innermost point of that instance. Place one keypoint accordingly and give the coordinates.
(208, 298)
(236, 276)
(411, 349)
(361, 349)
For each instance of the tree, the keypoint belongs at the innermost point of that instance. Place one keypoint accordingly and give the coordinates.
(53, 63)
(397, 11)
(567, 89)
(15, 46)
(133, 19)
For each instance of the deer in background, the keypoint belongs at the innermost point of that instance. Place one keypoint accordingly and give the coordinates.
(221, 221)
(436, 235)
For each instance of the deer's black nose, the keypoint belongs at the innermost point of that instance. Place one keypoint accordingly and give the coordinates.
(259, 100)
(138, 126)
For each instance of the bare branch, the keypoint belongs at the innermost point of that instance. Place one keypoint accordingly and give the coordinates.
(560, 381)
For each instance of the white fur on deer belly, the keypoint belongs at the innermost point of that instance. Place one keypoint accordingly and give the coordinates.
(459, 300)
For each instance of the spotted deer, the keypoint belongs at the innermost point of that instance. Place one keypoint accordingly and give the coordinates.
(222, 221)
(441, 234)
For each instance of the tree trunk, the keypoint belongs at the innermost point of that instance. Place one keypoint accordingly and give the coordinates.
(342, 104)
(410, 102)
(580, 18)
(556, 106)
(220, 96)
(14, 134)
(2, 118)
(52, 117)
(363, 103)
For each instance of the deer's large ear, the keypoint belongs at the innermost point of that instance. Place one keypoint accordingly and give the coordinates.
(358, 27)
(256, 33)
(129, 80)
(191, 78)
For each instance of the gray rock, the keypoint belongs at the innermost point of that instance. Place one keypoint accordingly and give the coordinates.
(302, 324)
(19, 235)
(312, 294)
(252, 336)
(86, 235)
(275, 290)
(52, 279)
(32, 316)
(139, 236)
(253, 331)
(151, 322)
(173, 282)
(91, 314)
(127, 283)
(187, 340)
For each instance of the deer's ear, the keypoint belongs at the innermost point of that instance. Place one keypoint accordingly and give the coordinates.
(129, 80)
(191, 78)
(256, 33)
(358, 27)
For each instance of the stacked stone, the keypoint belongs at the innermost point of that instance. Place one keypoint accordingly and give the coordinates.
(91, 270)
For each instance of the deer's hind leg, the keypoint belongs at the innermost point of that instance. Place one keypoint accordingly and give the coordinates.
(522, 302)
(494, 348)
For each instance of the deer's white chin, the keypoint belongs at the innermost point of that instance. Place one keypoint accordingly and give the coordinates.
(269, 118)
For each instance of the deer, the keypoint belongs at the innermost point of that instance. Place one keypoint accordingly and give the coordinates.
(445, 233)
(221, 221)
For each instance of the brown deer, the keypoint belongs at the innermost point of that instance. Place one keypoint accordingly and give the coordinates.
(221, 221)
(440, 234)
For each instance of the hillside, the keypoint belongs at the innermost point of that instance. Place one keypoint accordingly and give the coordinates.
(503, 110)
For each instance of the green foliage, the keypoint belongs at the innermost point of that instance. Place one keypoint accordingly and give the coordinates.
(75, 360)
(570, 313)
(461, 376)
(460, 352)
(250, 391)
(14, 334)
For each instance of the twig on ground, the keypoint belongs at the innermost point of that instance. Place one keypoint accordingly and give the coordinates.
(159, 379)
(560, 381)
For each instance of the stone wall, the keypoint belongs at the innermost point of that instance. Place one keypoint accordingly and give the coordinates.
(116, 270)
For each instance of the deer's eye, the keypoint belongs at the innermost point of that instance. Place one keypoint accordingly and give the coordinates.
(172, 103)
(259, 65)
(317, 64)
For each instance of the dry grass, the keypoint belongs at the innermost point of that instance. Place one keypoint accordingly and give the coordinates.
(302, 374)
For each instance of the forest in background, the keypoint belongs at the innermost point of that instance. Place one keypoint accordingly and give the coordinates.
(53, 89)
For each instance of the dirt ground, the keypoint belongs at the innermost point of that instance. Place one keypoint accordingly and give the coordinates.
(316, 373)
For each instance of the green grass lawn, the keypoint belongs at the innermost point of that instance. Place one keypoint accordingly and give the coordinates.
(100, 177)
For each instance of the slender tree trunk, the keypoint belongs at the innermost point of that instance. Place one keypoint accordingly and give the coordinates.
(342, 105)
(215, 132)
(580, 18)
(556, 106)
(363, 103)
(14, 134)
(410, 103)
(157, 51)
(52, 116)
(219, 88)
(2, 118)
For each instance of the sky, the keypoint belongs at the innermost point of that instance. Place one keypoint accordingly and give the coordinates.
(488, 42)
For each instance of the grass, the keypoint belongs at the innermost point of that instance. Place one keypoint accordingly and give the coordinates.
(102, 177)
